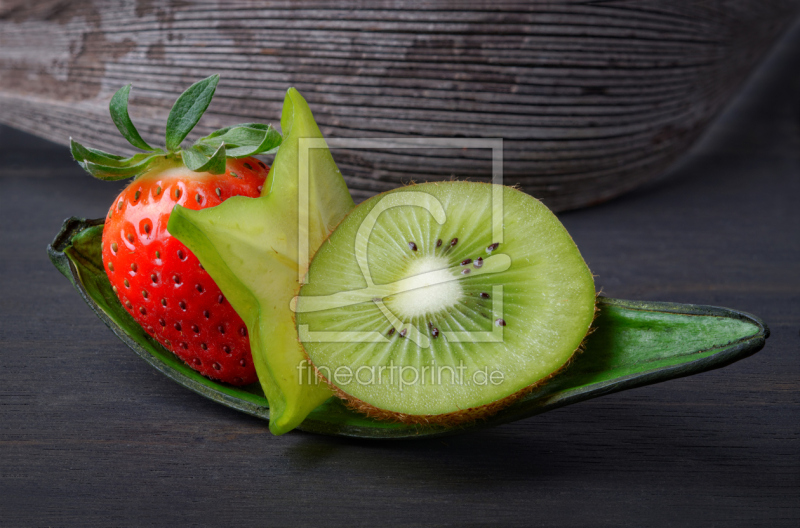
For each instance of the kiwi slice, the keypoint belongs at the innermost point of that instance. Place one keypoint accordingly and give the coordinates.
(443, 302)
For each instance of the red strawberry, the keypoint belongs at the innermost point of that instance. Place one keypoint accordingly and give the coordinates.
(157, 279)
(162, 284)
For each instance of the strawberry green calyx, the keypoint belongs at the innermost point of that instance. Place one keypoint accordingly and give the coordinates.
(208, 154)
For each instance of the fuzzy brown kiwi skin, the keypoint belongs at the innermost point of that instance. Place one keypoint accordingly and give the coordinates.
(455, 418)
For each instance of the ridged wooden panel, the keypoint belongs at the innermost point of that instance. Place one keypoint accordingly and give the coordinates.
(591, 98)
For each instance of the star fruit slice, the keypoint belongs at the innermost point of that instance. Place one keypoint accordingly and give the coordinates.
(254, 251)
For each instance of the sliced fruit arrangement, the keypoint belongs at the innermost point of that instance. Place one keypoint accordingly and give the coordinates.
(444, 302)
(258, 249)
(157, 279)
(429, 309)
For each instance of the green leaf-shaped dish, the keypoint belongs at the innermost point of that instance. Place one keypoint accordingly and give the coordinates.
(634, 344)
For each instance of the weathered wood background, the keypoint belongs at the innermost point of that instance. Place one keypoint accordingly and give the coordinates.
(591, 98)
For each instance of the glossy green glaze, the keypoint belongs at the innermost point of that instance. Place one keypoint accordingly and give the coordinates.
(634, 344)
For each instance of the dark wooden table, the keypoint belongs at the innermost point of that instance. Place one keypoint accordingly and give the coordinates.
(92, 436)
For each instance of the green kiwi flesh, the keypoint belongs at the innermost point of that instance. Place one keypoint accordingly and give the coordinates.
(404, 322)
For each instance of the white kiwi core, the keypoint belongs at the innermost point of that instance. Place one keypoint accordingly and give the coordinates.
(430, 288)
